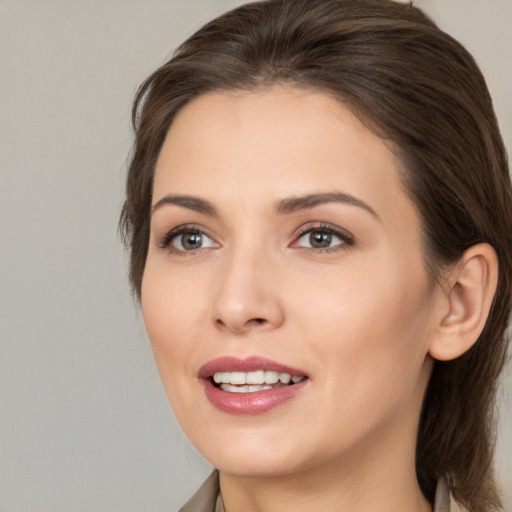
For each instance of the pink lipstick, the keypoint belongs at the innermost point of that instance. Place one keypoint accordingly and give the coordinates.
(250, 386)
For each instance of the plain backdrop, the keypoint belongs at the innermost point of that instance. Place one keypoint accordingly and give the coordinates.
(84, 422)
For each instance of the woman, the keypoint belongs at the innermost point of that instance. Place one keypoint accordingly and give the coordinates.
(319, 216)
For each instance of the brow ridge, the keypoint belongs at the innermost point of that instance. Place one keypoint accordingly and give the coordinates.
(282, 207)
(305, 202)
(191, 202)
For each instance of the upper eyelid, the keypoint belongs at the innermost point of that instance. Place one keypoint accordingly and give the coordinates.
(319, 226)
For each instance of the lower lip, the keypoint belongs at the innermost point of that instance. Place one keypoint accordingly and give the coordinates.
(256, 402)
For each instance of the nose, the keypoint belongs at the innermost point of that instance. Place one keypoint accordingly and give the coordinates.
(248, 295)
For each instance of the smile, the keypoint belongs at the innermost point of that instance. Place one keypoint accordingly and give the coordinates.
(251, 382)
(250, 386)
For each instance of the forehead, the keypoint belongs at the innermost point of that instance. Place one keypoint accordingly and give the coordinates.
(264, 144)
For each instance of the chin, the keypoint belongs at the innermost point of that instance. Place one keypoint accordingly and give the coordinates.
(249, 455)
(248, 467)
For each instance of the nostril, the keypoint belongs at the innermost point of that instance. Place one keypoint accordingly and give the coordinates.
(241, 327)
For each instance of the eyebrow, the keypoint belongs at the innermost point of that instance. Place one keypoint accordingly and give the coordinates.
(282, 207)
(305, 202)
(191, 202)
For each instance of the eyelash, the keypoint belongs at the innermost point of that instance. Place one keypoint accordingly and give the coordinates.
(344, 236)
(167, 240)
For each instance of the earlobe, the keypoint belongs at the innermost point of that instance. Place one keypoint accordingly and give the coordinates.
(469, 294)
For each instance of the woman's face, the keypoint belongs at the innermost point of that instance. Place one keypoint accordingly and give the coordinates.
(282, 242)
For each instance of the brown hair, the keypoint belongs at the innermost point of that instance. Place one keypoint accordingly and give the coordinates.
(415, 86)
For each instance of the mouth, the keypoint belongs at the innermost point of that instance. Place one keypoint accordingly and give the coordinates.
(254, 381)
(250, 386)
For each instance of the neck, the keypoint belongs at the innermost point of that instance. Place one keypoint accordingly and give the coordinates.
(379, 478)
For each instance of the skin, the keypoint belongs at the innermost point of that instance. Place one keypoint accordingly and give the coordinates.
(359, 318)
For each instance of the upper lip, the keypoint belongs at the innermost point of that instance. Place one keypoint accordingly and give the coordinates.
(249, 364)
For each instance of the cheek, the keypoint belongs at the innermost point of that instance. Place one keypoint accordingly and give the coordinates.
(172, 316)
(371, 328)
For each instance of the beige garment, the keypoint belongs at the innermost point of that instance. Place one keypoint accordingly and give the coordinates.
(208, 498)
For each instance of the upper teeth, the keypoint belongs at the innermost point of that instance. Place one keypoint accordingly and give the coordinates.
(256, 377)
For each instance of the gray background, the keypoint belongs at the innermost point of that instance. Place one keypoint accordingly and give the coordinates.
(84, 423)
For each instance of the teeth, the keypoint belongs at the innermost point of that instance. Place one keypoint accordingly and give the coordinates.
(254, 388)
(285, 378)
(234, 389)
(255, 377)
(271, 377)
(218, 377)
(244, 389)
(237, 378)
(258, 377)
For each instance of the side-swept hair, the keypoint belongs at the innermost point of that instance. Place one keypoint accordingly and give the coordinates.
(415, 86)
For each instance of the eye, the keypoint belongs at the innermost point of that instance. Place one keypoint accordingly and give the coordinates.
(323, 237)
(187, 239)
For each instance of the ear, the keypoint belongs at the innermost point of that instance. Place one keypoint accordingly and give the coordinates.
(468, 294)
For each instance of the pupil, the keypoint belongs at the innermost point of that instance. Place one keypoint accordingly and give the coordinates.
(192, 241)
(320, 239)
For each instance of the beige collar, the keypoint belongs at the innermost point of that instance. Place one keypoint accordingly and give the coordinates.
(208, 498)
(444, 501)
